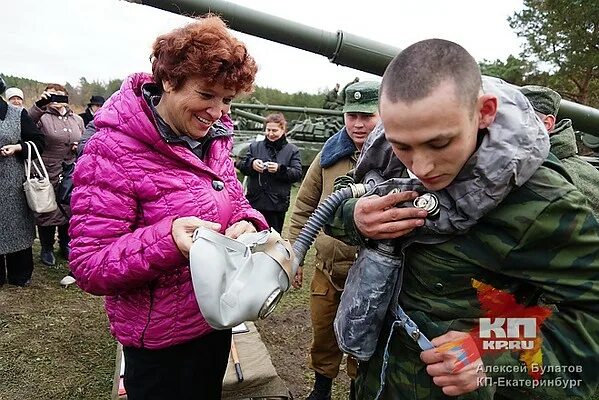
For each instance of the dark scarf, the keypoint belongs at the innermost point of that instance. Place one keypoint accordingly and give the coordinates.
(278, 144)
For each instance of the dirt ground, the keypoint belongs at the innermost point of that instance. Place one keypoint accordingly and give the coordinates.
(55, 343)
(287, 334)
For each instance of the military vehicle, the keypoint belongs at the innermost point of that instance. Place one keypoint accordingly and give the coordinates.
(308, 131)
(339, 47)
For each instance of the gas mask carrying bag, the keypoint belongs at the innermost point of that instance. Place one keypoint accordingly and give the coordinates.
(38, 190)
(238, 280)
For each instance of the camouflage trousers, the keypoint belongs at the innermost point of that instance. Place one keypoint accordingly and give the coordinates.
(325, 356)
(405, 377)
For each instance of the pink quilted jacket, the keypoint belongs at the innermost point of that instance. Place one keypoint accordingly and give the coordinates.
(129, 187)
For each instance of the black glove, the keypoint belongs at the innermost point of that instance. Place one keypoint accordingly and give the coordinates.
(43, 102)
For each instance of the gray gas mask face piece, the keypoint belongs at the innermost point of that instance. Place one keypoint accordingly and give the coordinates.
(238, 280)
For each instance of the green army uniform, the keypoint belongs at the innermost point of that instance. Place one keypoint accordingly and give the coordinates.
(592, 142)
(540, 243)
(330, 101)
(563, 144)
(339, 156)
(530, 246)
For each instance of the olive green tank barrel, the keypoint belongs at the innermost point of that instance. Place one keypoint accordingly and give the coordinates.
(267, 107)
(341, 48)
(248, 115)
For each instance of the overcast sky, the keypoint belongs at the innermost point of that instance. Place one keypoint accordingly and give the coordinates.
(63, 40)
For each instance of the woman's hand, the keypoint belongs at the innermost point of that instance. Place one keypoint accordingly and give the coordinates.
(183, 228)
(10, 149)
(235, 230)
(258, 165)
(272, 167)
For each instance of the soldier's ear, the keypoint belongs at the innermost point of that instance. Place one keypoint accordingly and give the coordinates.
(487, 110)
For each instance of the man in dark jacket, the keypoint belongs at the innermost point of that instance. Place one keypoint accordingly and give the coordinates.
(563, 142)
(95, 102)
(272, 165)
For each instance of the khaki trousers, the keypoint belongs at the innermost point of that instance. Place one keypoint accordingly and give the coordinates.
(325, 356)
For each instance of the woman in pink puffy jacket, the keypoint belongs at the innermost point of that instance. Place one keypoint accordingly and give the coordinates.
(157, 168)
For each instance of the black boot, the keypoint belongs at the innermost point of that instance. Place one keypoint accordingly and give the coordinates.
(322, 388)
(46, 234)
(63, 241)
(352, 389)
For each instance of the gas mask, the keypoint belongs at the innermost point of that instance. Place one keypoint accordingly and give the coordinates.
(237, 280)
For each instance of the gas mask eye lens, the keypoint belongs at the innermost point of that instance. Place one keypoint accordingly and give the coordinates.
(428, 202)
(270, 303)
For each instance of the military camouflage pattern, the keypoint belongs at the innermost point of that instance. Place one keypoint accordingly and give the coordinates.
(362, 97)
(542, 245)
(543, 99)
(591, 141)
(584, 176)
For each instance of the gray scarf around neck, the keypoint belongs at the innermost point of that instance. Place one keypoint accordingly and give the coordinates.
(513, 148)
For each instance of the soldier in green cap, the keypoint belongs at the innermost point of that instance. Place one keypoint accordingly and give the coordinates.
(339, 154)
(585, 177)
(511, 238)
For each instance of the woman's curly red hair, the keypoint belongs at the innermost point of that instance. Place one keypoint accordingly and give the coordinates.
(203, 49)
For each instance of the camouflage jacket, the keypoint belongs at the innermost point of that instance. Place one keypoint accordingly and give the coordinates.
(584, 176)
(540, 244)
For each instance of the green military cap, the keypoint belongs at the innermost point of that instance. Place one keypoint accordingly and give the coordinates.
(590, 141)
(543, 99)
(362, 97)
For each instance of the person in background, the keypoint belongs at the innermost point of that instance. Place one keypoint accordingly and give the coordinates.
(62, 129)
(338, 156)
(95, 102)
(272, 165)
(16, 218)
(157, 168)
(330, 100)
(15, 96)
(341, 97)
(563, 142)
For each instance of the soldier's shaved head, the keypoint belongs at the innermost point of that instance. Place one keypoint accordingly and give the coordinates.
(416, 71)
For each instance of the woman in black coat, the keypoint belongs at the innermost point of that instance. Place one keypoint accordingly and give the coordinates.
(272, 166)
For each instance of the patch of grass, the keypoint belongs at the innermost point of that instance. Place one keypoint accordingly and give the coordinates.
(54, 342)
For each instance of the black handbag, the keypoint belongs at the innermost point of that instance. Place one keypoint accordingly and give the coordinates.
(65, 183)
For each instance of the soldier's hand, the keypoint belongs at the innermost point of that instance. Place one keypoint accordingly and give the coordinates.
(377, 217)
(258, 165)
(298, 279)
(457, 370)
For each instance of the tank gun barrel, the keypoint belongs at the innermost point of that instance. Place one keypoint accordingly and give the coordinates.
(266, 107)
(248, 115)
(339, 47)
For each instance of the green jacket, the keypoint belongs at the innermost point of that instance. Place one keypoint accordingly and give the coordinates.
(584, 176)
(541, 244)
